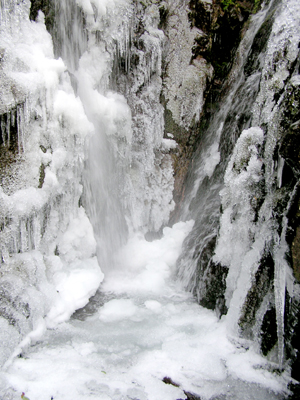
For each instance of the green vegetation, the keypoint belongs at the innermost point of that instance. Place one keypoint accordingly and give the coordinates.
(228, 4)
(47, 6)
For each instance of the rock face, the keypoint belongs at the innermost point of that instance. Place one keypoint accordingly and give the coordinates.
(48, 8)
(208, 104)
(246, 233)
(203, 37)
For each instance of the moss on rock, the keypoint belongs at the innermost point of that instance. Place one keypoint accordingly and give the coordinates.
(47, 7)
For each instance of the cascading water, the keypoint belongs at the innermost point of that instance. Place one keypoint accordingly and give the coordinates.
(202, 199)
(83, 142)
(89, 52)
(230, 265)
(42, 157)
(126, 161)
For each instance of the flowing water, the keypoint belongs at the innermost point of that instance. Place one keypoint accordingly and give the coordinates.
(138, 334)
(105, 179)
(236, 183)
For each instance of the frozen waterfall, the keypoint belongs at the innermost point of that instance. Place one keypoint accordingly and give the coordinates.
(91, 309)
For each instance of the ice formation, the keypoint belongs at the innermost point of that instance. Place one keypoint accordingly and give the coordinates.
(44, 135)
(141, 334)
(251, 240)
(185, 81)
(88, 172)
(64, 127)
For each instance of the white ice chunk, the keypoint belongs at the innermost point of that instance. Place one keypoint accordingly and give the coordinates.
(117, 309)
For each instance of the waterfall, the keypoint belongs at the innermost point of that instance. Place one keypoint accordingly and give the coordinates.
(238, 250)
(113, 53)
(43, 131)
(93, 117)
(206, 178)
(84, 163)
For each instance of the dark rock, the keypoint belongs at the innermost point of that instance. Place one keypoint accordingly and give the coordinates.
(47, 7)
(42, 176)
(214, 288)
(200, 15)
(9, 130)
(268, 331)
(189, 396)
(292, 335)
(290, 143)
(295, 389)
(163, 14)
(296, 254)
(169, 381)
(262, 284)
(9, 146)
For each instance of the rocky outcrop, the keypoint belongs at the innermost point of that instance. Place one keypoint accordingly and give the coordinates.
(48, 8)
(202, 43)
(262, 280)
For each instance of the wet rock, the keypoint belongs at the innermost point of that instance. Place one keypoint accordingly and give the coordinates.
(259, 44)
(262, 284)
(47, 7)
(189, 396)
(292, 334)
(296, 254)
(169, 381)
(268, 331)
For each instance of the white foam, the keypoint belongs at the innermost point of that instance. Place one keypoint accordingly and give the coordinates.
(127, 347)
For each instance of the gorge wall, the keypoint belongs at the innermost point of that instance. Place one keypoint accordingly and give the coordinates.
(241, 257)
(205, 126)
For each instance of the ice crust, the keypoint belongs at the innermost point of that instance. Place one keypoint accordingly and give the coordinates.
(39, 212)
(147, 328)
(57, 122)
(185, 81)
(146, 332)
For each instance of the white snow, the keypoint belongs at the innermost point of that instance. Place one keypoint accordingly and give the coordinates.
(117, 309)
(146, 266)
(146, 327)
(134, 340)
(43, 210)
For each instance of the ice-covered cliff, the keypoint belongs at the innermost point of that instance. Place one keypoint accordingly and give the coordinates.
(83, 159)
(130, 112)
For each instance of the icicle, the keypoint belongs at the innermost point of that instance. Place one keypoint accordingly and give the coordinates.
(20, 127)
(44, 112)
(29, 233)
(279, 289)
(279, 171)
(36, 225)
(13, 118)
(23, 236)
(3, 129)
(23, 119)
(280, 278)
(4, 255)
(3, 12)
(281, 268)
(8, 129)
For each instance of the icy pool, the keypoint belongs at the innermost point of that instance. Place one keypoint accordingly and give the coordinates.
(139, 329)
